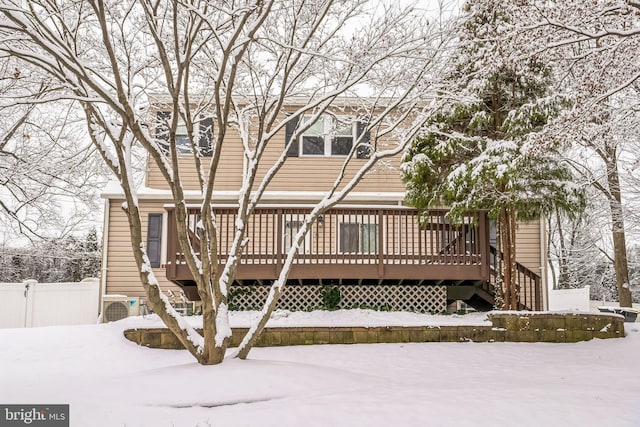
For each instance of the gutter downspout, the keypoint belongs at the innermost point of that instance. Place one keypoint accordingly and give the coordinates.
(543, 264)
(105, 250)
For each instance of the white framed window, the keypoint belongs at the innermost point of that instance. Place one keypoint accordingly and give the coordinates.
(329, 136)
(202, 134)
(292, 224)
(183, 145)
(355, 237)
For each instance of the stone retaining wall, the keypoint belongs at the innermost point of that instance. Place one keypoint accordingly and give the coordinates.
(507, 327)
(557, 327)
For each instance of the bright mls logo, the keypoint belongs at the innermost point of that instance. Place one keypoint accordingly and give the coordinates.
(34, 415)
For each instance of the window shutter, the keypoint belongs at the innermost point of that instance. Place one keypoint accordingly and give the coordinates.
(206, 137)
(364, 137)
(154, 238)
(162, 130)
(291, 128)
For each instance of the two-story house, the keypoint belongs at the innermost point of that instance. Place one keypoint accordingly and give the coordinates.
(372, 246)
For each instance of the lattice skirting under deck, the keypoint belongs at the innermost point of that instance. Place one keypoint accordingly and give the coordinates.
(307, 297)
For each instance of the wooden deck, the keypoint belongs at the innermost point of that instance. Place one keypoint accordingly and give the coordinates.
(346, 243)
(377, 244)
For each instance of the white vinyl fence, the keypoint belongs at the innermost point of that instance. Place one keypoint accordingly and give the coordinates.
(569, 299)
(28, 304)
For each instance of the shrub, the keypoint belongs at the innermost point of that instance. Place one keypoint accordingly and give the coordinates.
(330, 297)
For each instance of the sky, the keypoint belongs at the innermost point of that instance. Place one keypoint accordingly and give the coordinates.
(109, 381)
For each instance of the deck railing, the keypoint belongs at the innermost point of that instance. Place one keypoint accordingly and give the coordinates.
(528, 283)
(368, 243)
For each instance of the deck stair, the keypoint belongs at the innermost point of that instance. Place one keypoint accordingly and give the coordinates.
(481, 295)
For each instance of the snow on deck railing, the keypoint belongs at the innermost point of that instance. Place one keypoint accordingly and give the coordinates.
(346, 236)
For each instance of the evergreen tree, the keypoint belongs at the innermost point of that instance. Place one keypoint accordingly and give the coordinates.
(483, 151)
(91, 255)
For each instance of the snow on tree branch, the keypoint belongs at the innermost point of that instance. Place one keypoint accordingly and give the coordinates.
(182, 83)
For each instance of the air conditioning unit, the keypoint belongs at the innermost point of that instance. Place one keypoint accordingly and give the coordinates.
(117, 307)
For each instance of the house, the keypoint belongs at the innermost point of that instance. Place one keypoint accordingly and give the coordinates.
(372, 246)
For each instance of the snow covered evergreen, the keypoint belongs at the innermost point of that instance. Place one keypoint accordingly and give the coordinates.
(483, 150)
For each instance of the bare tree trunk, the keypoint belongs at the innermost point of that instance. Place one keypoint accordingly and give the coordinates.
(563, 280)
(507, 226)
(512, 261)
(214, 351)
(505, 270)
(549, 260)
(158, 302)
(618, 234)
(250, 340)
(499, 262)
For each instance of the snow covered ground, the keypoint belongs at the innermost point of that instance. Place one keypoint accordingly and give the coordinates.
(109, 381)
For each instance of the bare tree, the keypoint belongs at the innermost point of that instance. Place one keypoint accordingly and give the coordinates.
(606, 141)
(45, 162)
(605, 151)
(575, 243)
(592, 43)
(231, 66)
(68, 259)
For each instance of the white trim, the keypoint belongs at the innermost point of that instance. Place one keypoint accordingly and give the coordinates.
(163, 240)
(105, 250)
(340, 102)
(543, 264)
(113, 191)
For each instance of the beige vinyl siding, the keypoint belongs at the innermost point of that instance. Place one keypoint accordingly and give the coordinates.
(122, 273)
(297, 174)
(319, 174)
(228, 176)
(528, 245)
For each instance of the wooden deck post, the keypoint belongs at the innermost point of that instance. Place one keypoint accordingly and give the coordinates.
(279, 241)
(172, 242)
(381, 238)
(537, 293)
(485, 257)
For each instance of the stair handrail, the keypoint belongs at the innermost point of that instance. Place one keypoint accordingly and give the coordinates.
(529, 299)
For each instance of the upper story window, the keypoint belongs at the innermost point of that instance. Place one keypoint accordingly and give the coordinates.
(329, 136)
(202, 134)
(183, 145)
